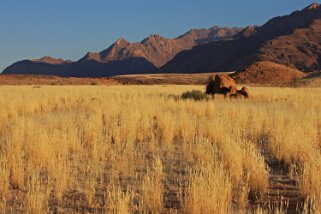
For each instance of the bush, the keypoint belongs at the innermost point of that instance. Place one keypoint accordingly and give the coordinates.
(195, 95)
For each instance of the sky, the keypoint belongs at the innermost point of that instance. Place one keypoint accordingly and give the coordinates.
(68, 29)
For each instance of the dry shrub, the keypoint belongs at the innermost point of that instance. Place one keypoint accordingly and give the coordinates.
(194, 95)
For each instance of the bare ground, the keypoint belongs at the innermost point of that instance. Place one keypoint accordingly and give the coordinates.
(283, 191)
(53, 80)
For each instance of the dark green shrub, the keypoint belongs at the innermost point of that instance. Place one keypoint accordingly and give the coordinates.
(195, 95)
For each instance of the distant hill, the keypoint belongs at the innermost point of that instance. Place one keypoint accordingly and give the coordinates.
(293, 40)
(124, 57)
(268, 73)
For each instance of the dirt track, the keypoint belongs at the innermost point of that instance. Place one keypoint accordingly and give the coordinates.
(283, 191)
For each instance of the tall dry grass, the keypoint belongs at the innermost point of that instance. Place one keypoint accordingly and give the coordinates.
(125, 149)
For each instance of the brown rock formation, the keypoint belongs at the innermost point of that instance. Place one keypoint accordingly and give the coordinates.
(221, 84)
(244, 92)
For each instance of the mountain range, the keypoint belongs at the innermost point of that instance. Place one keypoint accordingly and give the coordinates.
(124, 57)
(293, 40)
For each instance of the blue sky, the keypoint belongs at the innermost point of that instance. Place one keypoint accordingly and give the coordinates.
(69, 28)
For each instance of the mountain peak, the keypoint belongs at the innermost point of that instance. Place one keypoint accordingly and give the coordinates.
(152, 37)
(248, 31)
(215, 27)
(49, 60)
(92, 56)
(112, 51)
(121, 42)
(312, 6)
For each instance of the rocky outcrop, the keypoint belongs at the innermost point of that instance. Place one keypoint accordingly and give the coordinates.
(225, 85)
(244, 92)
(221, 84)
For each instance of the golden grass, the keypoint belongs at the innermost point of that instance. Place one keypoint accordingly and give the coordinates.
(209, 191)
(121, 149)
(166, 79)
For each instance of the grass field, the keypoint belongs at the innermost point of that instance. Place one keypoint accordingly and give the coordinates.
(167, 79)
(127, 149)
(36, 80)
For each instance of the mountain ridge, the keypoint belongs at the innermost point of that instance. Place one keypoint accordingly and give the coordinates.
(259, 44)
(123, 57)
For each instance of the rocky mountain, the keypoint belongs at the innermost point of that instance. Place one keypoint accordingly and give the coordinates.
(293, 40)
(124, 57)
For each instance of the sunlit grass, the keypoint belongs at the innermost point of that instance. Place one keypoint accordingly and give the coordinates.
(121, 149)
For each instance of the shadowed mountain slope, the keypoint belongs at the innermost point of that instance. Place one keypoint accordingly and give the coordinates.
(292, 40)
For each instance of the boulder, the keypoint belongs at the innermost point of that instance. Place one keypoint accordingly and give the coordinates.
(222, 84)
(243, 93)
